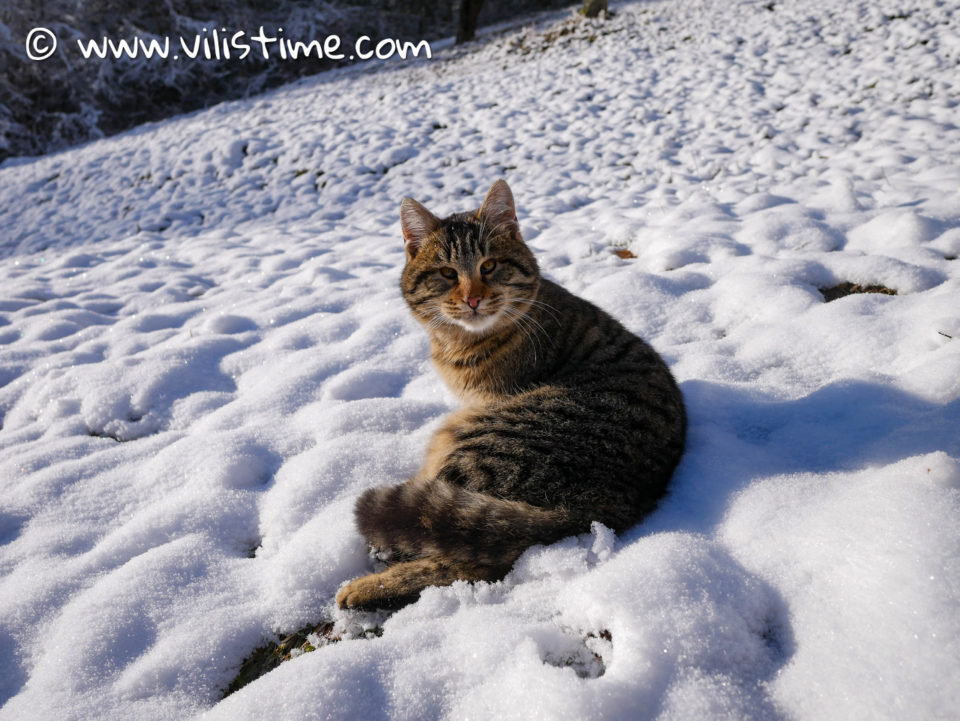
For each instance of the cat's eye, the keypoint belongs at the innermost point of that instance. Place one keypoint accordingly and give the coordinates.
(487, 266)
(449, 273)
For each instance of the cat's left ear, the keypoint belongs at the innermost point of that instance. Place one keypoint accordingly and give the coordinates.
(498, 210)
(417, 223)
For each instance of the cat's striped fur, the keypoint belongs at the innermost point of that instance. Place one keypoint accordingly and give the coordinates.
(568, 417)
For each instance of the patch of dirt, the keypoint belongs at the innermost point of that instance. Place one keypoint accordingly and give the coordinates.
(623, 253)
(307, 639)
(842, 290)
(572, 30)
(585, 656)
(266, 658)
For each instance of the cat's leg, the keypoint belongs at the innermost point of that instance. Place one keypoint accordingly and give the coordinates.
(402, 583)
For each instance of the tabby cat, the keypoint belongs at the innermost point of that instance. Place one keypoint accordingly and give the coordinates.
(568, 417)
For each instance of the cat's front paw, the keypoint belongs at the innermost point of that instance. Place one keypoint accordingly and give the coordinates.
(368, 593)
(357, 592)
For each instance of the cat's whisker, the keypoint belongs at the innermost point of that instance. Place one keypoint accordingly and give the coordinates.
(523, 322)
(538, 303)
(530, 318)
(534, 332)
(534, 343)
(436, 321)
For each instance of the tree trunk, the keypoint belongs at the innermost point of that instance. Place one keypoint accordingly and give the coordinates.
(467, 22)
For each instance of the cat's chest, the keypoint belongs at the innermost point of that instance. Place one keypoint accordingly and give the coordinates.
(483, 370)
(472, 385)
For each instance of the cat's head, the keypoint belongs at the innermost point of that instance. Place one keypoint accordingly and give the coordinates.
(470, 271)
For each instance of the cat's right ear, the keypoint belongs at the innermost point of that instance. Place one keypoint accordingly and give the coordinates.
(417, 223)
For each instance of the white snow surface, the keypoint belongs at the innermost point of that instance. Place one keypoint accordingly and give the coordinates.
(205, 358)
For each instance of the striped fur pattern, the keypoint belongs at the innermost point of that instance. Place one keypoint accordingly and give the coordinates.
(568, 417)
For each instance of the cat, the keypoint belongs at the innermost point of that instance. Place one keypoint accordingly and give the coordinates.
(568, 417)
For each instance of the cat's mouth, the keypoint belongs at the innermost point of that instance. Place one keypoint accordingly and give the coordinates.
(477, 320)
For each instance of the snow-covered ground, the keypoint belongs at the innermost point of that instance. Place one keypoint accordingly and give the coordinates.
(204, 359)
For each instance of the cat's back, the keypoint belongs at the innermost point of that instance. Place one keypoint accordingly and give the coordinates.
(598, 429)
(588, 347)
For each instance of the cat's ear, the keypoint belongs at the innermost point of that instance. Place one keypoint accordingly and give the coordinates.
(498, 210)
(417, 223)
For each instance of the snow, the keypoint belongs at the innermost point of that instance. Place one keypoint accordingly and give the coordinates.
(205, 358)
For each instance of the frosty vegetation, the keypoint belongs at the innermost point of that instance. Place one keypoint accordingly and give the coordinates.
(66, 100)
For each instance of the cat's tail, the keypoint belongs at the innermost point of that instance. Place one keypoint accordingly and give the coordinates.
(426, 517)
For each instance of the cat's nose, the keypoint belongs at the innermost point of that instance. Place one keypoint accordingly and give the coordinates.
(473, 301)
